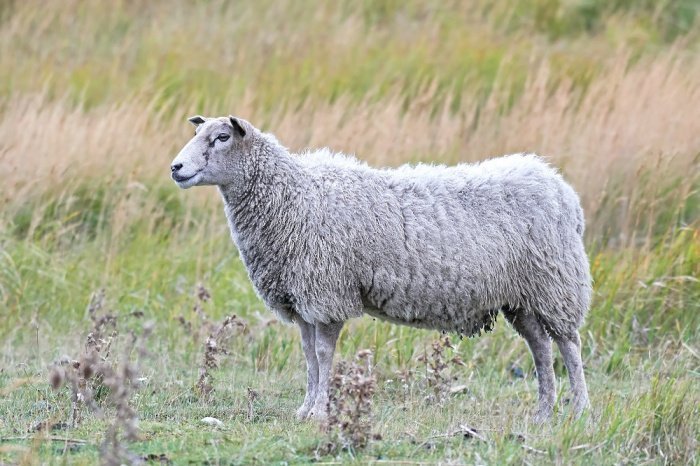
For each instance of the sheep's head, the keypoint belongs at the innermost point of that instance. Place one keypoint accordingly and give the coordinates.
(212, 155)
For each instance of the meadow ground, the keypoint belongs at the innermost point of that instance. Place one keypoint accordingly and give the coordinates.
(93, 106)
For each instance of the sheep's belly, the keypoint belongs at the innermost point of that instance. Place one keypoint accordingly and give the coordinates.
(467, 322)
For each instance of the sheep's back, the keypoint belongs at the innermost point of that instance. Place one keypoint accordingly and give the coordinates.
(443, 247)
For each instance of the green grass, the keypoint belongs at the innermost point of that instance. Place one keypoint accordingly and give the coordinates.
(381, 47)
(636, 418)
(643, 376)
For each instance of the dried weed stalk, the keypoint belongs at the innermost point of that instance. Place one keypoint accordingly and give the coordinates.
(437, 363)
(99, 382)
(216, 345)
(350, 404)
(199, 324)
(252, 395)
(214, 337)
(405, 378)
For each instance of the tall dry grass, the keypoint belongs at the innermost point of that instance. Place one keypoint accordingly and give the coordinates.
(629, 143)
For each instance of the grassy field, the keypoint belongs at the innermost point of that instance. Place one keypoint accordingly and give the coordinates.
(94, 98)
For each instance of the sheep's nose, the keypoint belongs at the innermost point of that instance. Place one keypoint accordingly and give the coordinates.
(175, 167)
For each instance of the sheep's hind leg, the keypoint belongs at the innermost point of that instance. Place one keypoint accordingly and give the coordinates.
(570, 348)
(326, 337)
(541, 348)
(308, 344)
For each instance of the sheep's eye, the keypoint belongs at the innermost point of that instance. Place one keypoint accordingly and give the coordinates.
(223, 137)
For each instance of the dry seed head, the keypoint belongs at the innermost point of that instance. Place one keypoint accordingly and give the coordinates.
(57, 377)
(96, 304)
(252, 394)
(87, 371)
(202, 293)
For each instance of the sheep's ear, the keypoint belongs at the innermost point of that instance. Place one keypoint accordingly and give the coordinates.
(238, 125)
(196, 120)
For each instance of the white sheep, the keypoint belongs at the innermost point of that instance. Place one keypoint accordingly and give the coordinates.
(326, 238)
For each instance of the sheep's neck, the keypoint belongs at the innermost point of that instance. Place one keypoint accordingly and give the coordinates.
(269, 207)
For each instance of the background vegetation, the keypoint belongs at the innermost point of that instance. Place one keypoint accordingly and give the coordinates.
(94, 97)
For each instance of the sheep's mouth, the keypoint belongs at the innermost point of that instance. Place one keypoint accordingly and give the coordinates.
(183, 179)
(185, 182)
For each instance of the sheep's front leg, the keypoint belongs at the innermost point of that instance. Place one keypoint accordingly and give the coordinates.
(326, 337)
(308, 338)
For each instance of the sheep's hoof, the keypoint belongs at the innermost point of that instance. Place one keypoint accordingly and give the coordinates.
(303, 412)
(319, 414)
(581, 404)
(542, 416)
(578, 404)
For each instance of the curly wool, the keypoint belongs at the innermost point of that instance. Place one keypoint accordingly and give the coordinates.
(325, 238)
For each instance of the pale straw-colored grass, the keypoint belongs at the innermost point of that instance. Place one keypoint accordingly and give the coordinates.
(629, 136)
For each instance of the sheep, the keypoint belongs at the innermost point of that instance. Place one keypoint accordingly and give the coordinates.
(326, 238)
